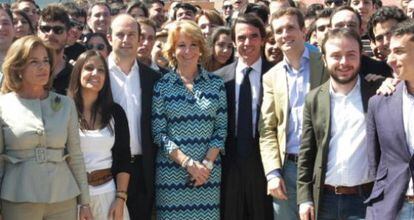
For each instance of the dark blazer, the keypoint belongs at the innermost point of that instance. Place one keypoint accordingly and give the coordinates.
(229, 75)
(121, 149)
(389, 156)
(315, 141)
(148, 78)
(369, 65)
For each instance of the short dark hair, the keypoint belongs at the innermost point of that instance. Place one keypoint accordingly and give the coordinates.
(149, 22)
(325, 13)
(382, 15)
(341, 33)
(249, 19)
(185, 6)
(54, 13)
(403, 28)
(259, 10)
(346, 8)
(140, 5)
(98, 4)
(73, 9)
(314, 9)
(292, 12)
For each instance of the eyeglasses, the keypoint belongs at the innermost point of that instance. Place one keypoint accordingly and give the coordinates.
(95, 47)
(75, 24)
(225, 7)
(335, 3)
(56, 29)
(322, 28)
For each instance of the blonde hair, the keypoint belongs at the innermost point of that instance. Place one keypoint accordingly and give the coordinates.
(16, 61)
(189, 29)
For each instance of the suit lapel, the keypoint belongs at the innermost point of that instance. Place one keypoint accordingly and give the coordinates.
(316, 70)
(395, 112)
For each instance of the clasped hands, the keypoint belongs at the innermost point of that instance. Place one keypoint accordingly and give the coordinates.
(198, 173)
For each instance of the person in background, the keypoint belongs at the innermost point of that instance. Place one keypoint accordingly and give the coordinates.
(271, 52)
(42, 171)
(77, 18)
(189, 124)
(223, 49)
(259, 10)
(334, 3)
(227, 12)
(99, 17)
(409, 11)
(380, 29)
(322, 24)
(22, 24)
(184, 11)
(208, 20)
(7, 30)
(156, 13)
(156, 54)
(53, 29)
(31, 10)
(104, 137)
(137, 10)
(98, 42)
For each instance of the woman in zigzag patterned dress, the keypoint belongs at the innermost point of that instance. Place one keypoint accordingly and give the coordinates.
(189, 126)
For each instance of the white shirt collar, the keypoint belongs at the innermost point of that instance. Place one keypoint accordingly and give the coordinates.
(355, 89)
(257, 66)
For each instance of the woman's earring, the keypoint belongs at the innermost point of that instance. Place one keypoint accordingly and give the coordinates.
(20, 76)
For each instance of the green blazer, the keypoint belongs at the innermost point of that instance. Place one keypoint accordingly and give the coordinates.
(315, 141)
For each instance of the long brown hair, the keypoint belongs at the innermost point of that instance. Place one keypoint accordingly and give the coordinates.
(103, 104)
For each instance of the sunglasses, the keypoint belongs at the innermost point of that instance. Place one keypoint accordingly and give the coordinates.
(76, 24)
(95, 47)
(227, 7)
(56, 29)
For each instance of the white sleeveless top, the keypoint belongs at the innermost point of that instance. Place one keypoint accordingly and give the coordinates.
(96, 148)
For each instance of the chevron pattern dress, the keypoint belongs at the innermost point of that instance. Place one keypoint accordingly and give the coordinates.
(192, 121)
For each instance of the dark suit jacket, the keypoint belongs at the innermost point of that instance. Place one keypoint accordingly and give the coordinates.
(389, 156)
(315, 141)
(228, 73)
(148, 78)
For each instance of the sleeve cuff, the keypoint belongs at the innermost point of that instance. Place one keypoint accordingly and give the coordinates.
(273, 174)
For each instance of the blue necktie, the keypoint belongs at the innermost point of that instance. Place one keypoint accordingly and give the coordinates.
(245, 117)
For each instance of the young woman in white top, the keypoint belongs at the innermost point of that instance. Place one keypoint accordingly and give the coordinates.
(104, 136)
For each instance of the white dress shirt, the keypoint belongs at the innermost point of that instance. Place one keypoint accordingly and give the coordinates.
(126, 91)
(255, 83)
(408, 118)
(347, 163)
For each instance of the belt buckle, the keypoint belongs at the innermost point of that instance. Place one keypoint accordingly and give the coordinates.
(40, 155)
(132, 160)
(337, 190)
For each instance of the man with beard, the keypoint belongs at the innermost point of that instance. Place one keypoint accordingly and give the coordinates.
(333, 174)
(53, 26)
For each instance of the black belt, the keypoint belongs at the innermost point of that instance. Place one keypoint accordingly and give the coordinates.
(135, 158)
(292, 157)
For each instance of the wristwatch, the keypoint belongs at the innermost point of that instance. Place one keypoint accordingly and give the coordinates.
(208, 164)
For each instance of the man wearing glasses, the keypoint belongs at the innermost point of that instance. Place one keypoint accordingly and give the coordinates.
(227, 11)
(333, 3)
(53, 26)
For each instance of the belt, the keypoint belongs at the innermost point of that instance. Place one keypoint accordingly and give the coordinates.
(349, 190)
(292, 157)
(409, 199)
(99, 177)
(39, 154)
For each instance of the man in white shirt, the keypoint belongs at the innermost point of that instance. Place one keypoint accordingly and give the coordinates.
(333, 174)
(132, 87)
(390, 135)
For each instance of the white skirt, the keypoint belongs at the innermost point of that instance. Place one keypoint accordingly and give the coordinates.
(100, 205)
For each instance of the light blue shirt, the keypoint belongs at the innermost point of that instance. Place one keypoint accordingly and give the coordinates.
(298, 87)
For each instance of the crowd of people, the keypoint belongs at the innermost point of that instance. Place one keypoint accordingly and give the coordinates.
(252, 111)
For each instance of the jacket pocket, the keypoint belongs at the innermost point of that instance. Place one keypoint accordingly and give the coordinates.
(378, 189)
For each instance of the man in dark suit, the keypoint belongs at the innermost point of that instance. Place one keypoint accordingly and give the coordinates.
(332, 166)
(390, 132)
(243, 180)
(132, 87)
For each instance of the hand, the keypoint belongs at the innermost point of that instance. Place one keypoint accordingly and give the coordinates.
(373, 77)
(388, 86)
(199, 173)
(116, 212)
(306, 212)
(276, 188)
(85, 213)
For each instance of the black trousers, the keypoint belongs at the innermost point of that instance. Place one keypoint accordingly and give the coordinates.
(138, 202)
(244, 190)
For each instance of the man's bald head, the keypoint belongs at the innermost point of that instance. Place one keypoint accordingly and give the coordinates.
(122, 19)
